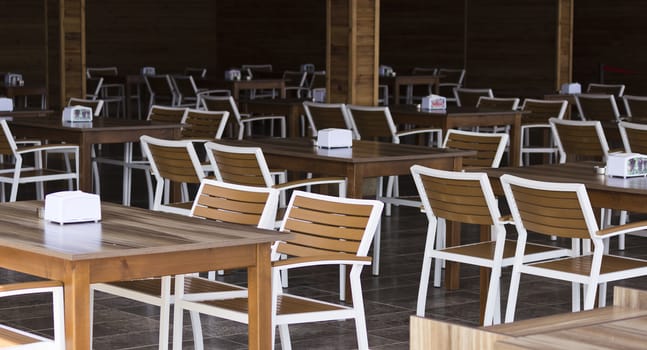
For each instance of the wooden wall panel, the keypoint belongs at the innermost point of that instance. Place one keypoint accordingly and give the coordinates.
(611, 33)
(511, 46)
(73, 47)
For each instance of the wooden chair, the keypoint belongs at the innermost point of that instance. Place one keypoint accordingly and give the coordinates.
(415, 93)
(256, 71)
(597, 107)
(295, 83)
(15, 339)
(18, 172)
(328, 115)
(186, 90)
(466, 197)
(172, 161)
(243, 122)
(496, 103)
(112, 92)
(450, 79)
(93, 88)
(579, 140)
(195, 72)
(161, 90)
(218, 201)
(635, 106)
(328, 231)
(470, 97)
(616, 90)
(535, 120)
(564, 210)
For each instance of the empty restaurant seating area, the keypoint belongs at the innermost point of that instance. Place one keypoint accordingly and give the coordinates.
(336, 174)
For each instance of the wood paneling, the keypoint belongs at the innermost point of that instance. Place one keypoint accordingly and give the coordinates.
(564, 55)
(72, 26)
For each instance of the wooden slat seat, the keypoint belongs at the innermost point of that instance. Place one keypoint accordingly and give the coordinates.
(485, 250)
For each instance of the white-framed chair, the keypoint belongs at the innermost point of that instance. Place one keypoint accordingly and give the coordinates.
(93, 88)
(161, 90)
(244, 122)
(535, 120)
(186, 91)
(295, 83)
(415, 93)
(497, 103)
(635, 106)
(328, 231)
(328, 115)
(18, 172)
(255, 71)
(577, 140)
(196, 72)
(564, 209)
(616, 90)
(468, 97)
(597, 107)
(111, 92)
(16, 339)
(467, 197)
(215, 200)
(450, 78)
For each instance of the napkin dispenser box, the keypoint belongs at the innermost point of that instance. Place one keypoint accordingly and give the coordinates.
(626, 164)
(6, 104)
(308, 67)
(232, 74)
(77, 114)
(72, 207)
(433, 102)
(148, 71)
(319, 95)
(13, 79)
(386, 71)
(334, 138)
(571, 88)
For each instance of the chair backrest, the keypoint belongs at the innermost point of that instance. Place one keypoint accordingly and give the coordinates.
(616, 90)
(93, 87)
(239, 165)
(373, 123)
(464, 197)
(254, 69)
(470, 97)
(635, 106)
(498, 103)
(172, 161)
(245, 205)
(489, 147)
(294, 78)
(167, 114)
(451, 77)
(96, 105)
(316, 79)
(7, 143)
(201, 124)
(327, 115)
(94, 72)
(634, 137)
(539, 111)
(550, 208)
(578, 139)
(185, 86)
(221, 103)
(326, 227)
(424, 71)
(195, 72)
(160, 86)
(597, 107)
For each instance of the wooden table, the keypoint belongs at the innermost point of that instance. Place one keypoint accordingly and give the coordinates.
(29, 113)
(291, 108)
(396, 82)
(101, 130)
(236, 85)
(459, 117)
(14, 92)
(134, 243)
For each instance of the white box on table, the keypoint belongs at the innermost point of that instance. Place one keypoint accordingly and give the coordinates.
(433, 102)
(334, 138)
(626, 164)
(571, 88)
(71, 207)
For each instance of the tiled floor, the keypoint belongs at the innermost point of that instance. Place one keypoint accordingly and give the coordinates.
(389, 298)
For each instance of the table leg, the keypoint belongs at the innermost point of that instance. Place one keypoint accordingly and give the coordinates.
(486, 235)
(259, 281)
(77, 311)
(85, 166)
(515, 141)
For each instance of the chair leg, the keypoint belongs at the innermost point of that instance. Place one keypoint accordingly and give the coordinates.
(575, 297)
(342, 282)
(284, 333)
(589, 295)
(440, 244)
(165, 312)
(512, 295)
(360, 317)
(196, 326)
(602, 297)
(426, 270)
(376, 250)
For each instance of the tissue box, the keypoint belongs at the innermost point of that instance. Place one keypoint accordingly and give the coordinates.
(319, 95)
(626, 164)
(232, 74)
(386, 71)
(77, 114)
(334, 138)
(72, 206)
(148, 71)
(571, 88)
(433, 102)
(6, 104)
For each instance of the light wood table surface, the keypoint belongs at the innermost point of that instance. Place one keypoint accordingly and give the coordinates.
(134, 243)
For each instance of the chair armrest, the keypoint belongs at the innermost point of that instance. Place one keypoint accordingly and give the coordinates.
(263, 117)
(308, 182)
(332, 259)
(618, 230)
(64, 147)
(24, 143)
(419, 131)
(30, 287)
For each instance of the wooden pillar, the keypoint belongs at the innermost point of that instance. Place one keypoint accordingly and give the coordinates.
(564, 57)
(352, 52)
(72, 49)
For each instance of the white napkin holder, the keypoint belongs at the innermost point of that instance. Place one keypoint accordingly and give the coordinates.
(319, 95)
(433, 102)
(148, 71)
(232, 74)
(626, 164)
(6, 104)
(68, 207)
(334, 138)
(13, 79)
(571, 88)
(386, 71)
(308, 67)
(77, 114)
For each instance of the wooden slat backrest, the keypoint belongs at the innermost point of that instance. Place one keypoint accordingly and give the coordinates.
(594, 108)
(470, 98)
(166, 114)
(6, 147)
(103, 72)
(371, 124)
(485, 145)
(457, 200)
(551, 212)
(580, 142)
(160, 84)
(239, 168)
(608, 89)
(452, 76)
(538, 112)
(636, 106)
(327, 117)
(498, 103)
(185, 85)
(174, 163)
(229, 204)
(637, 139)
(204, 124)
(323, 227)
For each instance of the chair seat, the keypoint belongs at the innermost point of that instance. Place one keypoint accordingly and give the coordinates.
(13, 337)
(153, 286)
(582, 265)
(485, 250)
(286, 305)
(25, 175)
